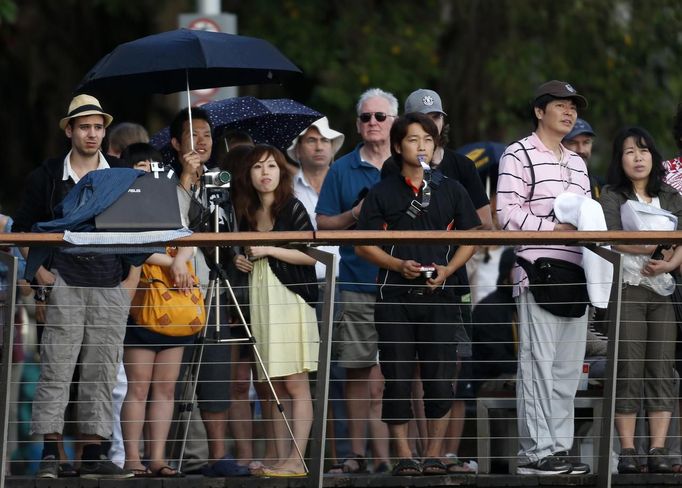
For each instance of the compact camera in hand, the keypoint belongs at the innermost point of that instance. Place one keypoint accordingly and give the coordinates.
(427, 272)
(658, 253)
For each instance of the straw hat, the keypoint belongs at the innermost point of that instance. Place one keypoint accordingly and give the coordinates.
(83, 105)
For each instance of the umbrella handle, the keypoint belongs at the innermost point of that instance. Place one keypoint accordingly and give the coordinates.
(189, 111)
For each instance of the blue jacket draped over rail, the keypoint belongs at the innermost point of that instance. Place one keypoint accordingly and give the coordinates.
(93, 194)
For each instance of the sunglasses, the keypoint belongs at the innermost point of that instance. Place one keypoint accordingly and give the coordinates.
(367, 116)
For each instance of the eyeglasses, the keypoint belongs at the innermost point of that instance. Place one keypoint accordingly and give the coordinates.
(379, 116)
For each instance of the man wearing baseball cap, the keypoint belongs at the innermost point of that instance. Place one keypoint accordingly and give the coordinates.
(532, 173)
(86, 305)
(580, 140)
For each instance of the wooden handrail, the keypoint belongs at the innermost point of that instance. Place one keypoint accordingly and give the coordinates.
(334, 237)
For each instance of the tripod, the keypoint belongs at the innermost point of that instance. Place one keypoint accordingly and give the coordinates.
(217, 196)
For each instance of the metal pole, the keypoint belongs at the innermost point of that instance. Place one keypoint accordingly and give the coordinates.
(7, 304)
(208, 7)
(609, 399)
(318, 431)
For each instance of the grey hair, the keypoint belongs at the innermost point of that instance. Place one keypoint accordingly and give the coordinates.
(378, 92)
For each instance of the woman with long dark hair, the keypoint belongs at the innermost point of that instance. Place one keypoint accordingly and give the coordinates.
(648, 330)
(282, 293)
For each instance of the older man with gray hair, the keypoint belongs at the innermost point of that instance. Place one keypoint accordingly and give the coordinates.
(355, 335)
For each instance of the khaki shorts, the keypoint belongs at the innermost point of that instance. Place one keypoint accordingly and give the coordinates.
(355, 337)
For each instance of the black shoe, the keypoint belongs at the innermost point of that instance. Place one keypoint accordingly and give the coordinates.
(627, 462)
(658, 461)
(547, 466)
(49, 467)
(103, 468)
(576, 466)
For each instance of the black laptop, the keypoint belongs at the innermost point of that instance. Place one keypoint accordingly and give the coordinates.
(151, 203)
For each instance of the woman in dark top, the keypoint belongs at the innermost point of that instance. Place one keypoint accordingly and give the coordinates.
(647, 331)
(282, 294)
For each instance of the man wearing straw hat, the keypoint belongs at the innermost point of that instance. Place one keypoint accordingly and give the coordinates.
(87, 304)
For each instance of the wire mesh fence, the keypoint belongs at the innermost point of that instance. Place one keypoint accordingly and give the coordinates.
(434, 375)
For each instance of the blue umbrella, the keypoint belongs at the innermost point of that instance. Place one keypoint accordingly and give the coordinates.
(276, 122)
(185, 59)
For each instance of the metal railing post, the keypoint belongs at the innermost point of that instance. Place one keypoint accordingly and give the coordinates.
(609, 399)
(318, 432)
(7, 300)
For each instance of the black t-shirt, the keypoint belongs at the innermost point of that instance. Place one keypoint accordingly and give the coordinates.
(385, 208)
(457, 167)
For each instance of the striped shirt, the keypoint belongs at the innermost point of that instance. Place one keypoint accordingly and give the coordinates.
(516, 211)
(673, 173)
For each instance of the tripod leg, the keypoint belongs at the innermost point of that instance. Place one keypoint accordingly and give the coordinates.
(186, 403)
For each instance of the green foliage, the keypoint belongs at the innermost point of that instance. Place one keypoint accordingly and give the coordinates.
(345, 48)
(484, 57)
(8, 11)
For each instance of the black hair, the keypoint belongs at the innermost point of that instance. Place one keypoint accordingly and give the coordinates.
(616, 174)
(541, 103)
(139, 151)
(507, 262)
(182, 116)
(677, 127)
(399, 131)
(238, 137)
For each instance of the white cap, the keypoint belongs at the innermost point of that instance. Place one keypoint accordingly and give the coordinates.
(322, 125)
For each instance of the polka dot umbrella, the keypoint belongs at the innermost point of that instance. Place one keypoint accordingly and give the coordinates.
(268, 121)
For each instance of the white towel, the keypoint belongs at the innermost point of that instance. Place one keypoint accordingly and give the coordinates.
(586, 214)
(88, 240)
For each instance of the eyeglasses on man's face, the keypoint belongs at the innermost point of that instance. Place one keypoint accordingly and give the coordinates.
(379, 116)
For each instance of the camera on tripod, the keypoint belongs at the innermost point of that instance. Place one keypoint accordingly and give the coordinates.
(216, 179)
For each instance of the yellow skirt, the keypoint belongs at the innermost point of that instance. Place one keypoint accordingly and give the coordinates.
(284, 325)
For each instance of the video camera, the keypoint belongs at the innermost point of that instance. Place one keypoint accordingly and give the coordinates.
(216, 179)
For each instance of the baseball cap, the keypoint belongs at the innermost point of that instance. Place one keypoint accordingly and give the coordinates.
(580, 127)
(423, 101)
(560, 89)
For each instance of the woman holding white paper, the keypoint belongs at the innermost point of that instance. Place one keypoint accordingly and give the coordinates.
(648, 329)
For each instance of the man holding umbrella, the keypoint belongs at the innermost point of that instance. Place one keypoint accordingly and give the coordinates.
(193, 144)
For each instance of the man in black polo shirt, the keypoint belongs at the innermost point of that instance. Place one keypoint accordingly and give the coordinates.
(414, 314)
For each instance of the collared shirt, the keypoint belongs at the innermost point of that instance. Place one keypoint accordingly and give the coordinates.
(70, 173)
(385, 208)
(516, 211)
(346, 179)
(308, 197)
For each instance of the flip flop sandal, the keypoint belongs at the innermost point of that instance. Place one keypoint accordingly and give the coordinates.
(281, 473)
(166, 471)
(142, 473)
(407, 467)
(433, 466)
(353, 464)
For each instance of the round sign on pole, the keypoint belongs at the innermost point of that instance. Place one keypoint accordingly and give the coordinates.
(205, 21)
(204, 24)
